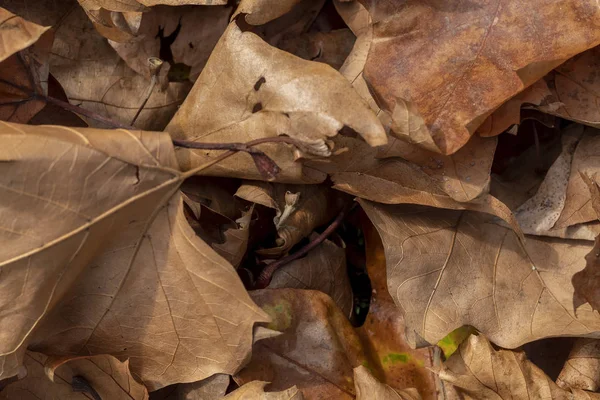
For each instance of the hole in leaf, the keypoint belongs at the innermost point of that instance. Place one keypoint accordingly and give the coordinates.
(259, 83)
(257, 107)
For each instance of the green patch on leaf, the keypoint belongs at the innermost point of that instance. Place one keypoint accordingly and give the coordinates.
(450, 343)
(281, 315)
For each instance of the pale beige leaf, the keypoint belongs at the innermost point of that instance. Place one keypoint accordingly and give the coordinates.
(477, 371)
(161, 297)
(482, 55)
(369, 388)
(251, 90)
(582, 368)
(447, 269)
(324, 269)
(17, 33)
(94, 77)
(259, 12)
(85, 185)
(196, 30)
(255, 390)
(110, 378)
(316, 352)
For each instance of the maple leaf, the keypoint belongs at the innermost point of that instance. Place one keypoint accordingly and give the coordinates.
(115, 267)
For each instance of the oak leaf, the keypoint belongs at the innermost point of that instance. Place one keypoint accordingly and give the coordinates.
(368, 388)
(460, 62)
(316, 352)
(447, 269)
(99, 276)
(478, 371)
(251, 90)
(52, 378)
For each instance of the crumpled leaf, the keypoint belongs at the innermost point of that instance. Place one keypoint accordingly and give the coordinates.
(212, 388)
(24, 51)
(369, 388)
(300, 209)
(582, 368)
(17, 34)
(392, 361)
(250, 90)
(331, 48)
(259, 12)
(586, 281)
(477, 371)
(447, 269)
(236, 240)
(483, 54)
(116, 20)
(109, 377)
(99, 275)
(95, 78)
(192, 31)
(256, 390)
(324, 269)
(316, 352)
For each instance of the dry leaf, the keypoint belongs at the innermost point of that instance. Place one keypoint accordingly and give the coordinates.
(324, 269)
(586, 281)
(459, 62)
(192, 33)
(17, 33)
(478, 371)
(212, 388)
(236, 240)
(250, 90)
(369, 388)
(255, 390)
(581, 370)
(393, 362)
(112, 270)
(259, 12)
(300, 209)
(116, 20)
(317, 350)
(331, 48)
(95, 78)
(109, 377)
(447, 269)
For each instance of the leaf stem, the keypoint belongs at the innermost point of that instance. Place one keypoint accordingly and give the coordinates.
(266, 275)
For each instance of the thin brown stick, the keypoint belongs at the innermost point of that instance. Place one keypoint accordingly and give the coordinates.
(82, 111)
(154, 65)
(266, 275)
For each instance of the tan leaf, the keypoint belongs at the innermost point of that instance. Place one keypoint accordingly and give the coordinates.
(17, 33)
(256, 390)
(195, 31)
(324, 269)
(252, 90)
(113, 18)
(369, 388)
(236, 240)
(300, 209)
(483, 54)
(213, 193)
(447, 269)
(259, 12)
(316, 352)
(383, 335)
(331, 48)
(109, 377)
(479, 372)
(112, 270)
(586, 281)
(581, 370)
(95, 78)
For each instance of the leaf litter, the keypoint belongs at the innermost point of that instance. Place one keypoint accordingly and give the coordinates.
(415, 184)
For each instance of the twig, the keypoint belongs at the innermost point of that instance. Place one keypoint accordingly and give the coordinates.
(82, 111)
(155, 64)
(265, 276)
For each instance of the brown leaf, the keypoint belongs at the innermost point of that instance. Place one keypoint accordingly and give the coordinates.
(112, 270)
(383, 335)
(300, 209)
(586, 281)
(212, 388)
(236, 240)
(369, 388)
(581, 370)
(316, 352)
(48, 378)
(259, 12)
(331, 48)
(256, 390)
(252, 90)
(17, 34)
(113, 19)
(193, 31)
(483, 54)
(95, 78)
(447, 269)
(478, 371)
(324, 269)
